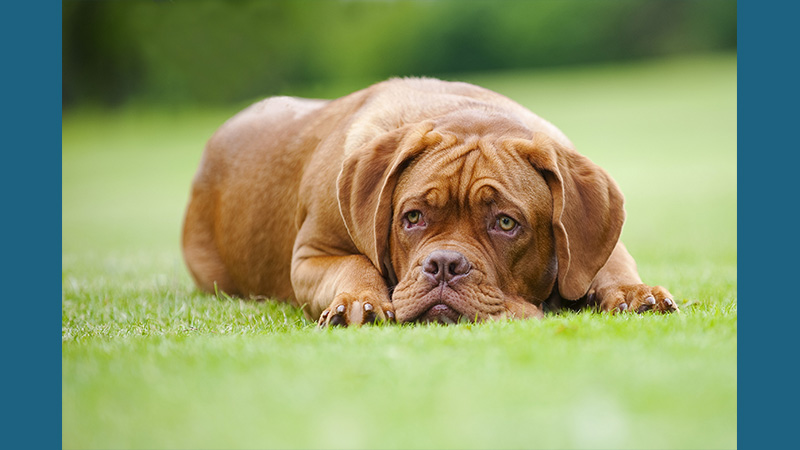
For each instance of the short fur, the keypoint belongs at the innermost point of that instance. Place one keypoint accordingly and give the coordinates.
(312, 201)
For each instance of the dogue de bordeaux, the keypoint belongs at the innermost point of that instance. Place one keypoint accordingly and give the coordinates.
(415, 199)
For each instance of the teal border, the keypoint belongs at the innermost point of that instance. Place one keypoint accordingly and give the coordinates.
(767, 242)
(30, 35)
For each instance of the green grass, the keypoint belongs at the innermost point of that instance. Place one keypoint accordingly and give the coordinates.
(147, 362)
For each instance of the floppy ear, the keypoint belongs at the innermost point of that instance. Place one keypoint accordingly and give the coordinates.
(366, 184)
(587, 213)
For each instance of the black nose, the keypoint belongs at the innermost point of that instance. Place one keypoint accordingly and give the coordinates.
(446, 265)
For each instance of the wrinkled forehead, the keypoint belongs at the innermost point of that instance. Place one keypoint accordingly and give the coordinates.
(474, 172)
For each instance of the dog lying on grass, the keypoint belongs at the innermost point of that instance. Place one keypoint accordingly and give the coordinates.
(411, 200)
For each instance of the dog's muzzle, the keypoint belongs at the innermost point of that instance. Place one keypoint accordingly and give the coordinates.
(443, 269)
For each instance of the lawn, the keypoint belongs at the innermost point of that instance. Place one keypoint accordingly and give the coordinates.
(148, 362)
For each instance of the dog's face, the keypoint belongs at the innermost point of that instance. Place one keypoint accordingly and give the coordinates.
(471, 233)
(478, 217)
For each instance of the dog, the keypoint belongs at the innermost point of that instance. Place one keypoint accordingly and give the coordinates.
(413, 200)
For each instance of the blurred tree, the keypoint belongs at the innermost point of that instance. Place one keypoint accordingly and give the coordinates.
(210, 51)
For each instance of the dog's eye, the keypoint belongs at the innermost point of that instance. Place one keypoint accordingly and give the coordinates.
(506, 223)
(413, 217)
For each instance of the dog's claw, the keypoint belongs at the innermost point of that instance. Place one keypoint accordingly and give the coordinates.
(647, 304)
(669, 306)
(369, 314)
(337, 320)
(622, 307)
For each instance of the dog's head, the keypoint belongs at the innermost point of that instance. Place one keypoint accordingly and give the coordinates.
(474, 216)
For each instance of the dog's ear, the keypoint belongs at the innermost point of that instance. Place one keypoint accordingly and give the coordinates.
(587, 212)
(366, 184)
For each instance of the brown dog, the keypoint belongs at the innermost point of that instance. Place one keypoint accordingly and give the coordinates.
(414, 199)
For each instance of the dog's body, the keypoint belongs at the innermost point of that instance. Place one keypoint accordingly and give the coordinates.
(414, 198)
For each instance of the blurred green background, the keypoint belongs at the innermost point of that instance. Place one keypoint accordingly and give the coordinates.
(145, 84)
(215, 52)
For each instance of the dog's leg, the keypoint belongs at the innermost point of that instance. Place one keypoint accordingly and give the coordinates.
(618, 287)
(199, 248)
(341, 290)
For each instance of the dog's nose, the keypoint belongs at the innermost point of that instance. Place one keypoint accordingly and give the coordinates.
(446, 265)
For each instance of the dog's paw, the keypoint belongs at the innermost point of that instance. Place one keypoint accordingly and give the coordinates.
(636, 298)
(347, 309)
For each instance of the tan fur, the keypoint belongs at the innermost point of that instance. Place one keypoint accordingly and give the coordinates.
(307, 200)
